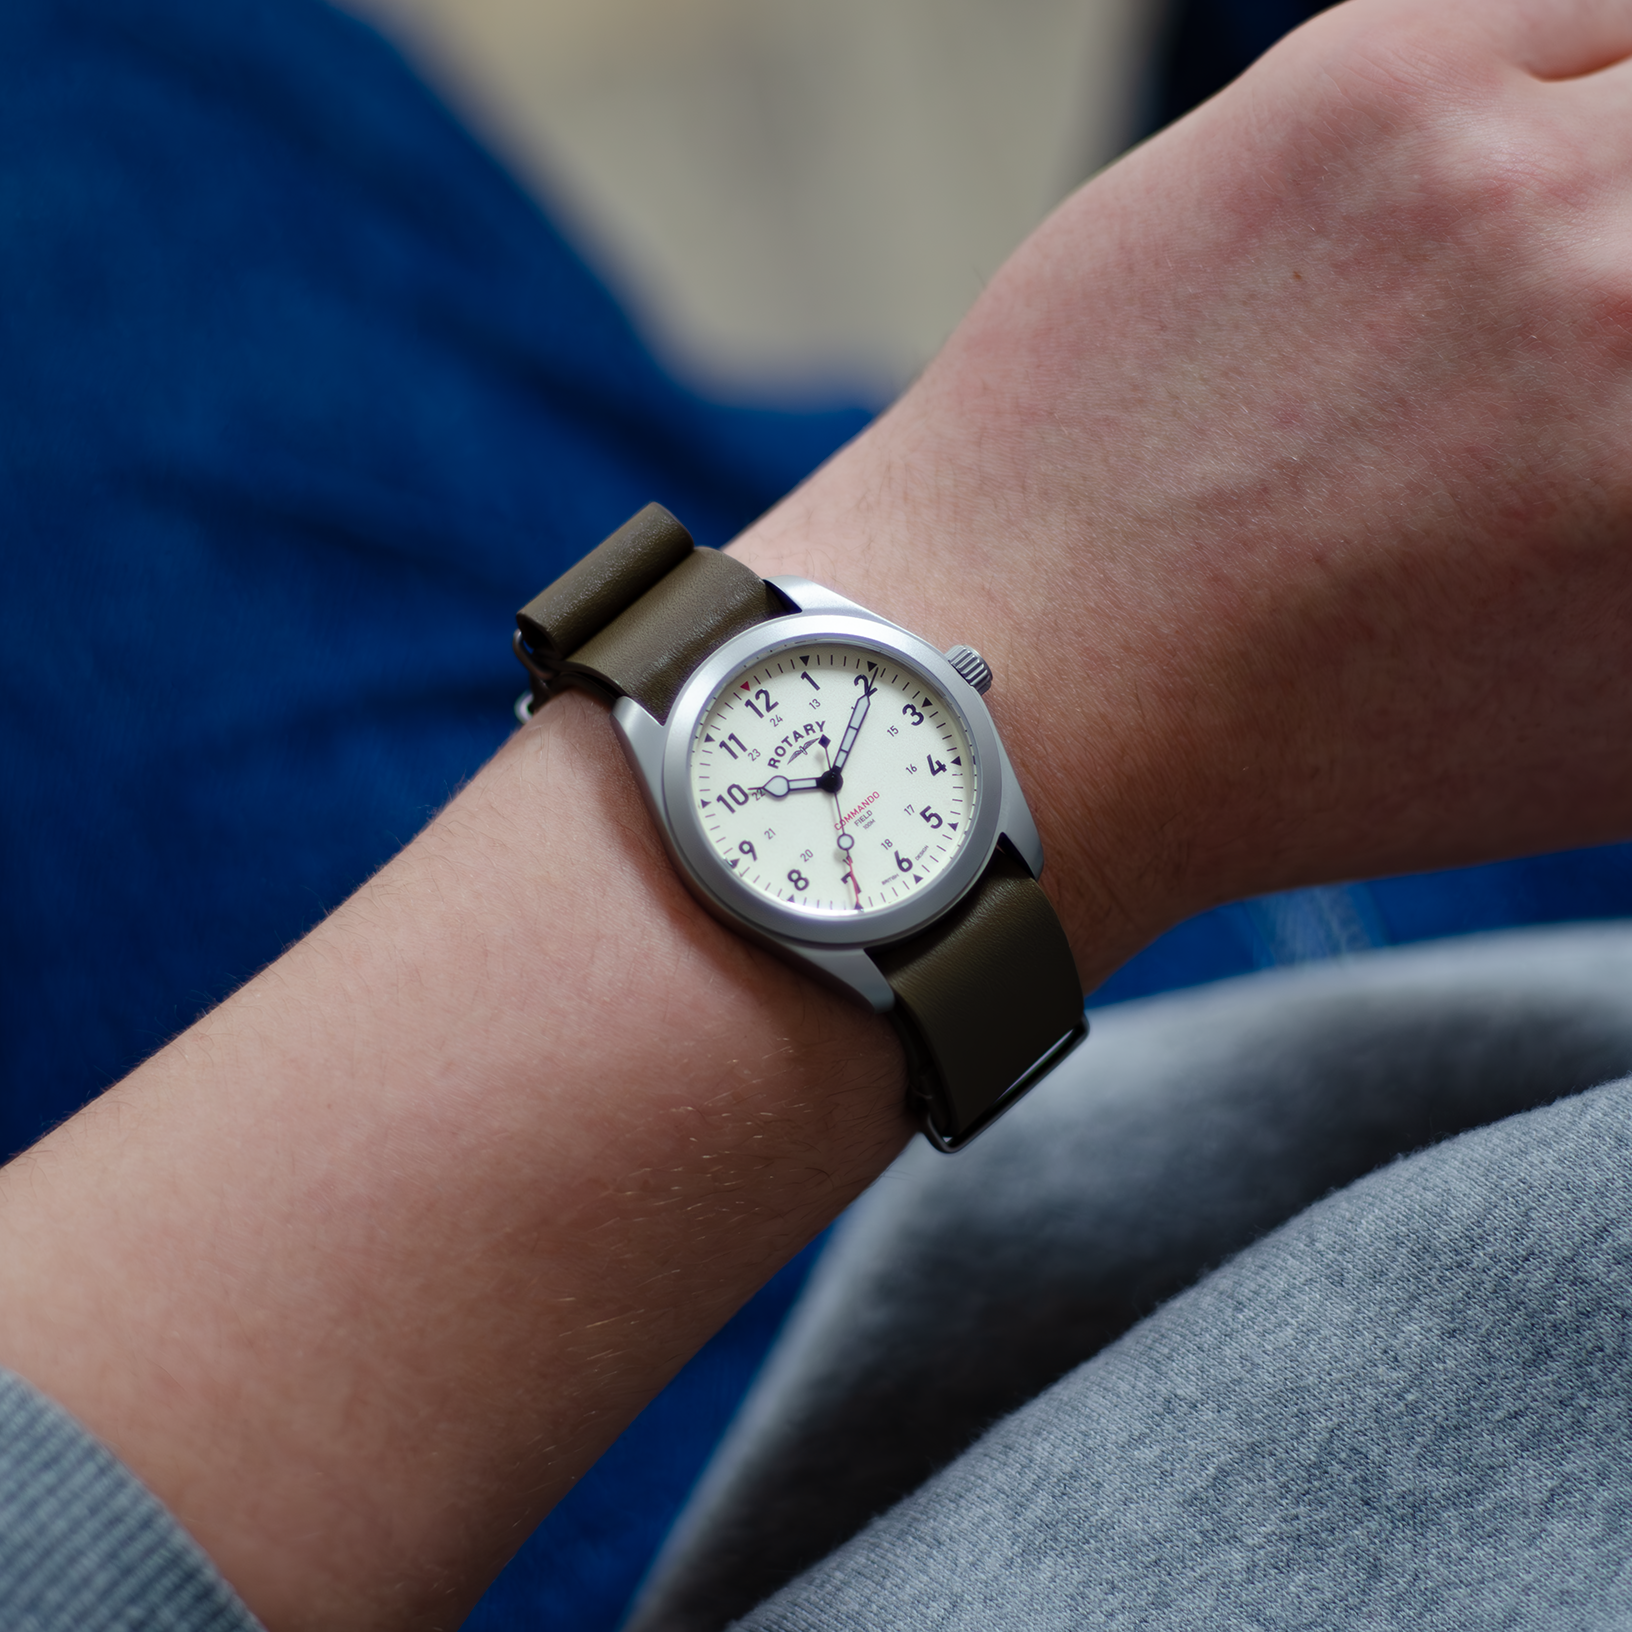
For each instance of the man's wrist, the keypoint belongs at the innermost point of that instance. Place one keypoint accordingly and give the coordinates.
(853, 529)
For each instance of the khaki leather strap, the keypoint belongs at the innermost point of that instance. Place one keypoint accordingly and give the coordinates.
(638, 614)
(987, 1000)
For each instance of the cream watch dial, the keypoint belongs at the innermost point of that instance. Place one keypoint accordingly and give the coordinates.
(833, 778)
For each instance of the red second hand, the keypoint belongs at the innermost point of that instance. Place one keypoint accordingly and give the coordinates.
(848, 851)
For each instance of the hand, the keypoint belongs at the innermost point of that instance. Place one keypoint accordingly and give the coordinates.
(1283, 475)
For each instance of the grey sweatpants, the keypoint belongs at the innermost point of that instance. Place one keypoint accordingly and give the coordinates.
(1281, 1372)
(1395, 1400)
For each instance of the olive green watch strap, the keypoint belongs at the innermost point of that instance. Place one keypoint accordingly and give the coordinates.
(638, 614)
(987, 997)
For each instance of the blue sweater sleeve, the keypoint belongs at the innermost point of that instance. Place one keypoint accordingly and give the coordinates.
(84, 1547)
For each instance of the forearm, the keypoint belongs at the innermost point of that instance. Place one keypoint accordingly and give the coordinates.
(365, 1269)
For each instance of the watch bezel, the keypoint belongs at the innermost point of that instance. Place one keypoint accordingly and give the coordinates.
(711, 875)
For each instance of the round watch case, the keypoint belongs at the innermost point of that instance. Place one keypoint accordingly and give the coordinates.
(702, 863)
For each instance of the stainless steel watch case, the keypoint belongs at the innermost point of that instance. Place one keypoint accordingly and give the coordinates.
(827, 947)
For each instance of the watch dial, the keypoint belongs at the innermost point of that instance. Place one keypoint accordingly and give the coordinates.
(833, 778)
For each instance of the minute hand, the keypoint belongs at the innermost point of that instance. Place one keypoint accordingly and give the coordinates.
(848, 740)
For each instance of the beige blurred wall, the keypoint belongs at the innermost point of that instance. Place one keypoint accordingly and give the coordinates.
(792, 190)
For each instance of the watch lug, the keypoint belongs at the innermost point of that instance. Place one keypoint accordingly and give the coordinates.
(845, 968)
(809, 597)
(641, 738)
(1015, 821)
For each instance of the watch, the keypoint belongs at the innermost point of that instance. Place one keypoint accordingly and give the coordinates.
(833, 787)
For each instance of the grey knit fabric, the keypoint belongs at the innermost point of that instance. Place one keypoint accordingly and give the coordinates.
(1411, 1409)
(1154, 1486)
(83, 1546)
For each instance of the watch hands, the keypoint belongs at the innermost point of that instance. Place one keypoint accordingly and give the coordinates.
(832, 782)
(779, 787)
(857, 715)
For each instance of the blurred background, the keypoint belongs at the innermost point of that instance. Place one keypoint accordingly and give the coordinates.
(789, 194)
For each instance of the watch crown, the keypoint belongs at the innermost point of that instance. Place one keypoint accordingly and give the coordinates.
(971, 666)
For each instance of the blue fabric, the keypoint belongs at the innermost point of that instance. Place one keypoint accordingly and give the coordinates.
(1208, 43)
(300, 397)
(1302, 926)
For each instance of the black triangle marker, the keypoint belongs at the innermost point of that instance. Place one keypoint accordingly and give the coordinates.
(805, 661)
(916, 879)
(708, 739)
(953, 826)
(707, 803)
(957, 761)
(873, 667)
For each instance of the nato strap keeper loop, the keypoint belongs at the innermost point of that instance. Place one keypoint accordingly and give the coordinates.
(637, 615)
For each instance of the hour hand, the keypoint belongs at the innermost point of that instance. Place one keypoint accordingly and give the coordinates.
(779, 787)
